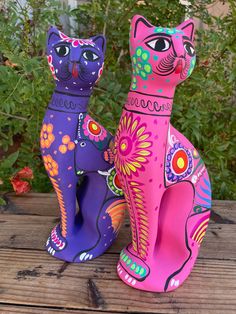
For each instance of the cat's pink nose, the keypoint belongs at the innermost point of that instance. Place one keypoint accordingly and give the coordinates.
(75, 71)
(179, 67)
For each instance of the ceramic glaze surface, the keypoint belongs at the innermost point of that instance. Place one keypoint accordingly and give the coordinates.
(164, 179)
(76, 151)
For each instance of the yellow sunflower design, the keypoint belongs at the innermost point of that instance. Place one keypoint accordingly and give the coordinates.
(132, 145)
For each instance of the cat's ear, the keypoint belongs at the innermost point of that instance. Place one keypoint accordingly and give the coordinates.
(138, 26)
(52, 36)
(188, 28)
(100, 41)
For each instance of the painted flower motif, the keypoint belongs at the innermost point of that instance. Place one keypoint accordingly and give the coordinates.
(93, 130)
(132, 145)
(113, 183)
(141, 66)
(46, 135)
(51, 67)
(67, 144)
(179, 163)
(76, 42)
(50, 165)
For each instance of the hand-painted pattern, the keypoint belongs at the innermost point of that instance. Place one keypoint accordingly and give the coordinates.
(132, 145)
(77, 154)
(165, 181)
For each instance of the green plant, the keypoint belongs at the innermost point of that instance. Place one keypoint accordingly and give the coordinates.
(25, 86)
(204, 105)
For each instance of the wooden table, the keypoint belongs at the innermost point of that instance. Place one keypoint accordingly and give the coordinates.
(31, 281)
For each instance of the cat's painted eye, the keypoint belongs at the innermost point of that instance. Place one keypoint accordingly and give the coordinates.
(62, 50)
(189, 49)
(159, 44)
(90, 55)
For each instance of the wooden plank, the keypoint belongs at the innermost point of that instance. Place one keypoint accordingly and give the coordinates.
(45, 204)
(31, 232)
(14, 309)
(25, 280)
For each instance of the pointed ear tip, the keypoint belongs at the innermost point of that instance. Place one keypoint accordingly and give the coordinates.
(136, 17)
(52, 28)
(189, 21)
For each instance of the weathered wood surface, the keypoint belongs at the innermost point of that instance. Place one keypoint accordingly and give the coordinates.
(31, 281)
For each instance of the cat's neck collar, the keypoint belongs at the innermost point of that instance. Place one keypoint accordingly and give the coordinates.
(149, 104)
(66, 101)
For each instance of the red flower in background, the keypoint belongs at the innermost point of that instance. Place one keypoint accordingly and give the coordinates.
(25, 173)
(20, 186)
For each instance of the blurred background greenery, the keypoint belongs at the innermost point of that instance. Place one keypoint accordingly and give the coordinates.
(204, 106)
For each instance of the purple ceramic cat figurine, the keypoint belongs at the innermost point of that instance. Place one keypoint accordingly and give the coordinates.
(164, 179)
(76, 148)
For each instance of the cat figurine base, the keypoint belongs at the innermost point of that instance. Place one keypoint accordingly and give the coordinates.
(75, 148)
(165, 181)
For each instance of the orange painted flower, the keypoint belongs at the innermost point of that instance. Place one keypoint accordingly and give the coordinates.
(50, 165)
(46, 135)
(132, 145)
(67, 144)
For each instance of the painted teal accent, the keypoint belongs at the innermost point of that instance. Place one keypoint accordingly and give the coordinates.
(137, 269)
(167, 80)
(158, 29)
(169, 31)
(152, 79)
(159, 90)
(144, 86)
(155, 58)
(192, 64)
(129, 261)
(133, 266)
(125, 258)
(176, 36)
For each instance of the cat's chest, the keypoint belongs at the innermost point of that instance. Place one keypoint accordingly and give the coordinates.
(58, 132)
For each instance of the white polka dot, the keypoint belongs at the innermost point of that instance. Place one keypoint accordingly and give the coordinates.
(86, 62)
(93, 73)
(60, 61)
(66, 87)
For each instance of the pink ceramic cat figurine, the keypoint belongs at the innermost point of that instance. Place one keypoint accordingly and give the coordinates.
(164, 179)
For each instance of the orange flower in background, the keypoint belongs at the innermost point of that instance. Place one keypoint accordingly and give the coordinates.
(50, 165)
(67, 144)
(20, 186)
(46, 135)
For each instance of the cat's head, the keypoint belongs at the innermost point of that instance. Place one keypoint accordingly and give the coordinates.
(160, 56)
(75, 63)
